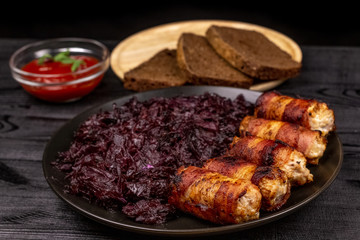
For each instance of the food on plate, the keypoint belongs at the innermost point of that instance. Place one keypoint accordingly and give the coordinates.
(309, 113)
(215, 197)
(203, 66)
(160, 71)
(311, 143)
(125, 158)
(252, 53)
(272, 153)
(273, 183)
(197, 154)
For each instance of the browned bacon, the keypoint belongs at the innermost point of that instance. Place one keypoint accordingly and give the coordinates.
(267, 152)
(311, 143)
(214, 197)
(309, 113)
(272, 182)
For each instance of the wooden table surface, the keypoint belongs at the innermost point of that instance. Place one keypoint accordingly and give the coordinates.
(29, 209)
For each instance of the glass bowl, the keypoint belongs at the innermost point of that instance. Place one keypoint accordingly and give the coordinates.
(62, 87)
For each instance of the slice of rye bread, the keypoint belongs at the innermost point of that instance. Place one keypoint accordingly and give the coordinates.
(252, 53)
(160, 71)
(203, 66)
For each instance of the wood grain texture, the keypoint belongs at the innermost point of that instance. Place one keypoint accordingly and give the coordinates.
(30, 210)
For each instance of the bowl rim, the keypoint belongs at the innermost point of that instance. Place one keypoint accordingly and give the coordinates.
(17, 72)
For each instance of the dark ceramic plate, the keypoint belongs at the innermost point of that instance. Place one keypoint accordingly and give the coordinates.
(324, 174)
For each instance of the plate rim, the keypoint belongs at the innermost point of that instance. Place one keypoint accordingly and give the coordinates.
(261, 86)
(181, 232)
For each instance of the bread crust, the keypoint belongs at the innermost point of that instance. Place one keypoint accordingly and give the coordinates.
(195, 77)
(160, 71)
(240, 51)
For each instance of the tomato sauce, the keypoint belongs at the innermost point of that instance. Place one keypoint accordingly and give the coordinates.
(61, 73)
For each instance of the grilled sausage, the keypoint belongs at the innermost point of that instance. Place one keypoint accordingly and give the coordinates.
(214, 197)
(311, 143)
(267, 152)
(272, 182)
(309, 113)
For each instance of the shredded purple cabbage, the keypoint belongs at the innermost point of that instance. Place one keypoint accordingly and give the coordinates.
(126, 158)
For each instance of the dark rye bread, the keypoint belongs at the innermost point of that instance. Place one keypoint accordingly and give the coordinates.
(160, 71)
(203, 66)
(252, 53)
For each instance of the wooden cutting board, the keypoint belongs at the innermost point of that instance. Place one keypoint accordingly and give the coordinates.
(139, 47)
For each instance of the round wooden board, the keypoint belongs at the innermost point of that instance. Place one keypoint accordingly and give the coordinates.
(141, 46)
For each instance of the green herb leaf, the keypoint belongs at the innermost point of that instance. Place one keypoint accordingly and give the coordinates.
(63, 57)
(76, 64)
(43, 58)
(67, 60)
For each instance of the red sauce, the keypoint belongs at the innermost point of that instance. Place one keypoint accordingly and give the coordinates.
(61, 93)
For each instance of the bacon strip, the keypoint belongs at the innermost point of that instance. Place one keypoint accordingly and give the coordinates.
(308, 113)
(311, 143)
(272, 182)
(267, 152)
(214, 197)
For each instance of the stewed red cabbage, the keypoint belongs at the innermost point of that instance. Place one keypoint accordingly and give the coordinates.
(126, 158)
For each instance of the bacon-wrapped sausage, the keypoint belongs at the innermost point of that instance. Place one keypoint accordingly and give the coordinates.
(214, 197)
(309, 113)
(272, 153)
(272, 182)
(311, 143)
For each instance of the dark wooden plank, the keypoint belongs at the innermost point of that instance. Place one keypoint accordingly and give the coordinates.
(30, 210)
(30, 207)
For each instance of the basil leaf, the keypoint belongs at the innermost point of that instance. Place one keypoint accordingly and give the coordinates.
(76, 64)
(42, 59)
(61, 56)
(68, 60)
